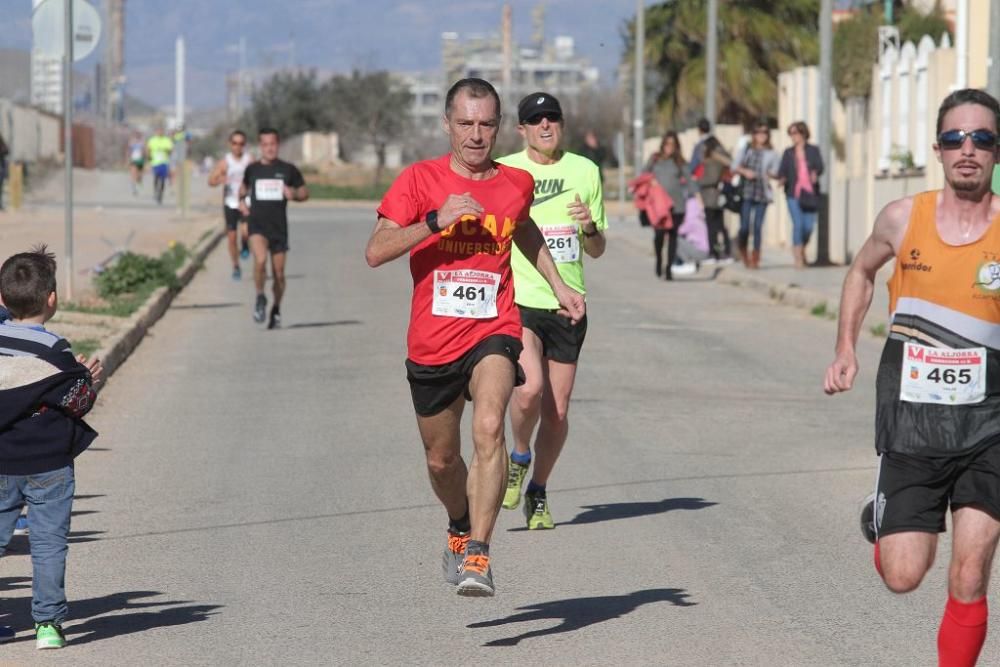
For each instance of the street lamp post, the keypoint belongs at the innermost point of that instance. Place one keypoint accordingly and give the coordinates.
(68, 140)
(711, 60)
(638, 121)
(824, 128)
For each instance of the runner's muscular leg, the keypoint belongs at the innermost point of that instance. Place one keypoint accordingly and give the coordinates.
(554, 428)
(234, 253)
(259, 247)
(974, 542)
(278, 274)
(443, 451)
(527, 403)
(905, 558)
(491, 387)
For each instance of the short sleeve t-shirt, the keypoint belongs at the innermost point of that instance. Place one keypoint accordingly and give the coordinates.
(474, 253)
(160, 149)
(266, 187)
(556, 185)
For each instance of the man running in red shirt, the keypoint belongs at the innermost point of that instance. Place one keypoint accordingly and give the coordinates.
(457, 216)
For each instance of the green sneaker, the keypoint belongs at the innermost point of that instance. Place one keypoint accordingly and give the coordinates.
(49, 635)
(515, 478)
(536, 511)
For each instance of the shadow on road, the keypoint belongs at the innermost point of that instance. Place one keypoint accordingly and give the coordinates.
(612, 511)
(100, 626)
(314, 325)
(577, 613)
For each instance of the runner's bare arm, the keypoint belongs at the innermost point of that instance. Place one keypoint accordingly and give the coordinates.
(300, 193)
(530, 241)
(390, 240)
(859, 285)
(218, 174)
(594, 242)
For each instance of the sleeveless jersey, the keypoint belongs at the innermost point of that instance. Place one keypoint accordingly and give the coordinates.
(234, 178)
(942, 298)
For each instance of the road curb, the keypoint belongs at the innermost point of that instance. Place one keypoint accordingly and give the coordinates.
(781, 292)
(114, 352)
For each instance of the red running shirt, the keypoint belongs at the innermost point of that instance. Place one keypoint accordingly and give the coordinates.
(478, 249)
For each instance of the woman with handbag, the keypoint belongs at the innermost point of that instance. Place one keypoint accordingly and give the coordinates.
(756, 164)
(801, 166)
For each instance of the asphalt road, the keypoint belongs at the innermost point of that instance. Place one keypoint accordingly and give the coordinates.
(259, 498)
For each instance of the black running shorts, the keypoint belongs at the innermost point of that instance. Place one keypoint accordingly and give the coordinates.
(434, 388)
(275, 234)
(913, 493)
(233, 217)
(561, 339)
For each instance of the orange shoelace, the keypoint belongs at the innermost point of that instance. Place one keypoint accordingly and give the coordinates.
(477, 563)
(457, 543)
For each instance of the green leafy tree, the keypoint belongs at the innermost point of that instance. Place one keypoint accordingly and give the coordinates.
(291, 102)
(855, 44)
(758, 39)
(369, 108)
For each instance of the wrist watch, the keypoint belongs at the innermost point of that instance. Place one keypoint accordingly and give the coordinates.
(593, 233)
(431, 220)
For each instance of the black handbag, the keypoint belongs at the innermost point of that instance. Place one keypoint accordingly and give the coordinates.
(808, 201)
(732, 195)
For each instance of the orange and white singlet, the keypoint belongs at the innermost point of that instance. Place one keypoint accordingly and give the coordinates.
(938, 385)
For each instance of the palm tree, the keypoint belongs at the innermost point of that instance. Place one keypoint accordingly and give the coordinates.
(758, 39)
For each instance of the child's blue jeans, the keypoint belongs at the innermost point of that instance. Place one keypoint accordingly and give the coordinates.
(49, 496)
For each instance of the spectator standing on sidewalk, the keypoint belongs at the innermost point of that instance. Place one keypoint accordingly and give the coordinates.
(670, 170)
(755, 165)
(595, 152)
(799, 172)
(4, 151)
(714, 167)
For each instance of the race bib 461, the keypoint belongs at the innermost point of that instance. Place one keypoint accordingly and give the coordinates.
(465, 293)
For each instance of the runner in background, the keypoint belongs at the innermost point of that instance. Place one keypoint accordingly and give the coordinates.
(228, 172)
(135, 153)
(158, 150)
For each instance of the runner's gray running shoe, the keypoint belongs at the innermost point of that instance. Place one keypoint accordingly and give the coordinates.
(475, 577)
(275, 321)
(260, 309)
(453, 555)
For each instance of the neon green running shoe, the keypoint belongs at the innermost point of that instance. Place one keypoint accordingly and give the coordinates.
(49, 635)
(536, 510)
(515, 478)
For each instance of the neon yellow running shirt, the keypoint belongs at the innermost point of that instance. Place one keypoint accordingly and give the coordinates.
(159, 150)
(556, 185)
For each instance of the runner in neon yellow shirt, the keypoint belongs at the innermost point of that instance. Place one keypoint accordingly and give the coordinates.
(569, 210)
(159, 147)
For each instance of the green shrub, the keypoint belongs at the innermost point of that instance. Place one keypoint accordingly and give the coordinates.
(133, 273)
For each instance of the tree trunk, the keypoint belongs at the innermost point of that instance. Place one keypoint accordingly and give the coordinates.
(379, 162)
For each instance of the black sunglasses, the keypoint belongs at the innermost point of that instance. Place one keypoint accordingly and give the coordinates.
(981, 139)
(550, 116)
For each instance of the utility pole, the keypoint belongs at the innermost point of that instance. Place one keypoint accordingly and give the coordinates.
(640, 83)
(993, 81)
(825, 127)
(180, 146)
(68, 140)
(712, 61)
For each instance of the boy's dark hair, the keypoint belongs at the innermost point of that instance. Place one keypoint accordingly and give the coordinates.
(237, 133)
(969, 96)
(704, 126)
(26, 280)
(269, 130)
(475, 88)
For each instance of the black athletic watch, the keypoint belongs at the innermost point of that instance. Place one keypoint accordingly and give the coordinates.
(432, 222)
(591, 234)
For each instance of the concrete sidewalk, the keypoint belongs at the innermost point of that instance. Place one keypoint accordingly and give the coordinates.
(814, 289)
(107, 219)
